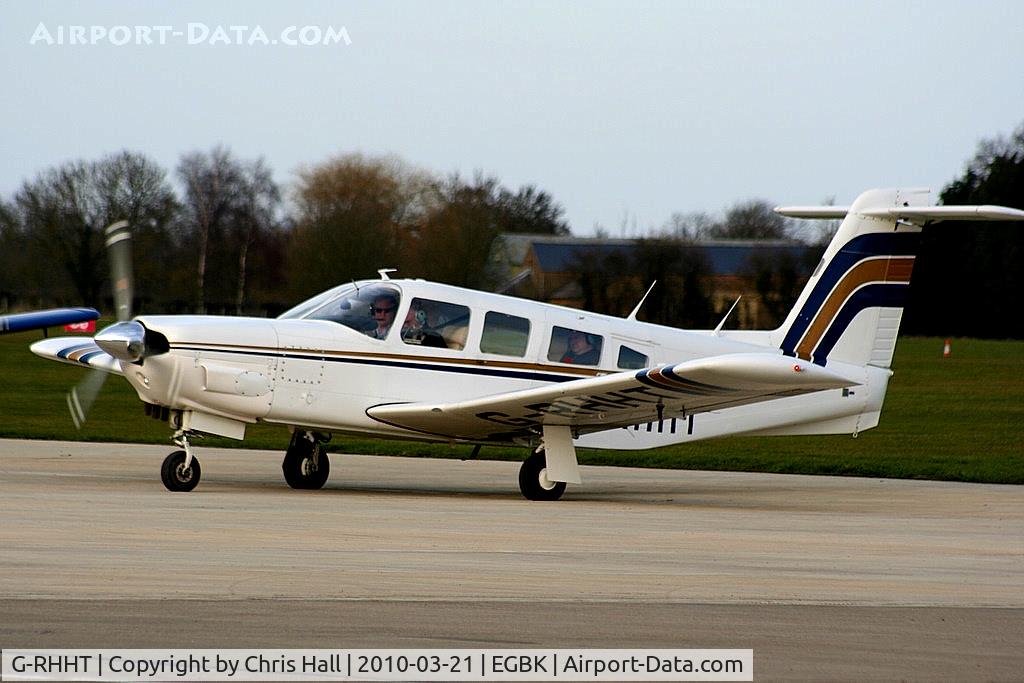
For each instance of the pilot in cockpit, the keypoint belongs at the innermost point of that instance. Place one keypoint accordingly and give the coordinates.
(383, 311)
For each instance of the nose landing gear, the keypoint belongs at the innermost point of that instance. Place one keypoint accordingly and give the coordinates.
(181, 470)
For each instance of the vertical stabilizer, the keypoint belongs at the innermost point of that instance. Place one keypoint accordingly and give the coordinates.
(852, 305)
(851, 308)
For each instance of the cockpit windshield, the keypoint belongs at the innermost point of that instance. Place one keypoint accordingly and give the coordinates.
(370, 309)
(300, 310)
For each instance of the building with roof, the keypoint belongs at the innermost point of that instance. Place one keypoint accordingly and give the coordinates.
(548, 268)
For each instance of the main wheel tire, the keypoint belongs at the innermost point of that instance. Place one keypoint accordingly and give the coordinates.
(533, 480)
(176, 476)
(306, 465)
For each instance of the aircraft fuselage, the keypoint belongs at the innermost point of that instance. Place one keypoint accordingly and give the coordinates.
(324, 375)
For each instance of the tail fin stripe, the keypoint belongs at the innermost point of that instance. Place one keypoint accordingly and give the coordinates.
(873, 270)
(858, 249)
(875, 295)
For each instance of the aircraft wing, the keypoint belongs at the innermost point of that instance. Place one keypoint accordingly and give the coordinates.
(617, 400)
(77, 351)
(20, 322)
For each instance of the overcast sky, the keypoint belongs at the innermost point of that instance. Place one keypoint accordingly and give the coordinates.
(624, 111)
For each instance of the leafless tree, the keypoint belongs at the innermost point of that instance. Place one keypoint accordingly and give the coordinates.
(228, 205)
(63, 211)
(753, 219)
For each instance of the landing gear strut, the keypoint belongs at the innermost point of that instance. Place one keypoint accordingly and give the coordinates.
(181, 470)
(306, 465)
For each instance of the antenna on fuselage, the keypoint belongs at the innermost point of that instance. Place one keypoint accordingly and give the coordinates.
(632, 316)
(718, 330)
(383, 272)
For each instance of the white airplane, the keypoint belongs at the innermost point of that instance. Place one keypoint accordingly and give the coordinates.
(410, 359)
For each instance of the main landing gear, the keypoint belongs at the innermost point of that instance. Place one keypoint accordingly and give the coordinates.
(181, 470)
(306, 465)
(534, 482)
(545, 473)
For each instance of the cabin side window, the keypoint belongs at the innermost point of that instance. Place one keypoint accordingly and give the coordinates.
(631, 359)
(505, 335)
(574, 346)
(437, 324)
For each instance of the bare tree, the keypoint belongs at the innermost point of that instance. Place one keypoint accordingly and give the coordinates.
(134, 188)
(260, 199)
(753, 219)
(354, 215)
(692, 226)
(63, 212)
(211, 181)
(528, 210)
(458, 234)
(12, 261)
(228, 204)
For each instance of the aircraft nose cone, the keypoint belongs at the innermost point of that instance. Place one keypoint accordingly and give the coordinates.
(124, 341)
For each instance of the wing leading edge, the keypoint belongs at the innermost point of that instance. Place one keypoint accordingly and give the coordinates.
(617, 400)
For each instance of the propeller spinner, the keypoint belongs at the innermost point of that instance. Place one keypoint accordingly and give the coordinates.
(124, 341)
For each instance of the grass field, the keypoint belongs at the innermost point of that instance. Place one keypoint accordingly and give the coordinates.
(958, 418)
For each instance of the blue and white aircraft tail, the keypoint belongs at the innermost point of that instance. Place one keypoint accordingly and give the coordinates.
(851, 308)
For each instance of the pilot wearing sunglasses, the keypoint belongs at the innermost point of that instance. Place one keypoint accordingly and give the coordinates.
(383, 311)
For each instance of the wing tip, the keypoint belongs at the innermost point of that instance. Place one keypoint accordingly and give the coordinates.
(80, 351)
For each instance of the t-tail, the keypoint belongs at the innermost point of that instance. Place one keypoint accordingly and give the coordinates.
(850, 309)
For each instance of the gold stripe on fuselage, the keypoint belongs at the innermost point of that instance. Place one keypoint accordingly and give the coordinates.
(575, 371)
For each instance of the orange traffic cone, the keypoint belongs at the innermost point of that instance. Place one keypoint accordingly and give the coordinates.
(946, 351)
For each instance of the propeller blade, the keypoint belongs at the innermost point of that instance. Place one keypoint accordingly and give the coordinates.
(81, 398)
(129, 344)
(119, 250)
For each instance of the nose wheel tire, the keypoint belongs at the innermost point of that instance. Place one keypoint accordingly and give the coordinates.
(306, 465)
(534, 482)
(176, 476)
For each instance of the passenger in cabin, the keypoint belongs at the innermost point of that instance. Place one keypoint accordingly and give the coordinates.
(415, 319)
(581, 350)
(415, 329)
(383, 311)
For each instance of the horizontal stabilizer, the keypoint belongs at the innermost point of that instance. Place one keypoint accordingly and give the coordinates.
(925, 214)
(828, 212)
(912, 214)
(77, 351)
